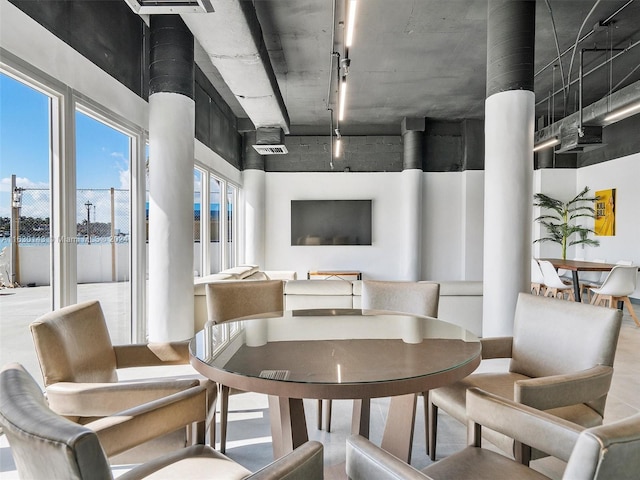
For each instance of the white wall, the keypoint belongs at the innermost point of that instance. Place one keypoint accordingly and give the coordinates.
(380, 260)
(623, 174)
(451, 224)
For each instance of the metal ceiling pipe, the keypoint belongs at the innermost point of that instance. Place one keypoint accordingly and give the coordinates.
(232, 38)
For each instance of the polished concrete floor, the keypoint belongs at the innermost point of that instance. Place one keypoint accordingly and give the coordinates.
(249, 441)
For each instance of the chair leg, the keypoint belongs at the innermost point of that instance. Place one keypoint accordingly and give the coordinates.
(433, 430)
(224, 412)
(327, 418)
(627, 302)
(425, 401)
(319, 414)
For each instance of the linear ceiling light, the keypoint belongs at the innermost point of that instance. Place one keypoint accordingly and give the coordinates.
(547, 143)
(622, 113)
(338, 143)
(351, 20)
(343, 98)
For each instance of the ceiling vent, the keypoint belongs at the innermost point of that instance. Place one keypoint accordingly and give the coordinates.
(271, 149)
(161, 7)
(270, 141)
(572, 142)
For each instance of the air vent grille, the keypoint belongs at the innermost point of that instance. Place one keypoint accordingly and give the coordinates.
(271, 149)
(159, 7)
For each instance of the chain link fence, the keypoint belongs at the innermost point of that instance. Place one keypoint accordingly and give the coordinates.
(102, 216)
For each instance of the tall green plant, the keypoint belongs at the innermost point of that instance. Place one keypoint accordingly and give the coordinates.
(560, 224)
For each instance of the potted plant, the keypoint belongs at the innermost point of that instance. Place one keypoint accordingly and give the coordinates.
(560, 223)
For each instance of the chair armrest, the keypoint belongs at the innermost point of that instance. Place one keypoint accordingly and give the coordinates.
(496, 347)
(102, 399)
(527, 425)
(124, 430)
(305, 463)
(366, 461)
(556, 391)
(152, 354)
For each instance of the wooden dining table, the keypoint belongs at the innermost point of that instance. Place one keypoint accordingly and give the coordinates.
(576, 266)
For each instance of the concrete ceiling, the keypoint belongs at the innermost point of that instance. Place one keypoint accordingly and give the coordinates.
(427, 58)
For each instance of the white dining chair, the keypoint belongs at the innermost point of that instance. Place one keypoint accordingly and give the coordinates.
(590, 280)
(537, 278)
(555, 287)
(617, 287)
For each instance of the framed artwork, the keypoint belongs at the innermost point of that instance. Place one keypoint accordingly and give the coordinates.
(606, 213)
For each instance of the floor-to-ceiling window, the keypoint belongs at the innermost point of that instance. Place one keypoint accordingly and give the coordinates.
(215, 199)
(231, 248)
(197, 222)
(25, 214)
(103, 202)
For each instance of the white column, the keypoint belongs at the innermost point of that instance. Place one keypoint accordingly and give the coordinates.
(411, 248)
(255, 196)
(508, 207)
(171, 151)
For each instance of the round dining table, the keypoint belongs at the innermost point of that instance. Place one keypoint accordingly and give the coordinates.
(336, 354)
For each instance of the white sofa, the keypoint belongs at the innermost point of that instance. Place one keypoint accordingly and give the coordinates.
(460, 301)
(242, 272)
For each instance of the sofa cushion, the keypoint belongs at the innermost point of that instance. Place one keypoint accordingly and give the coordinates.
(281, 274)
(318, 287)
(258, 276)
(241, 271)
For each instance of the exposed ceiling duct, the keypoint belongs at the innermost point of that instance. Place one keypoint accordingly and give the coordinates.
(232, 37)
(593, 118)
(574, 139)
(270, 141)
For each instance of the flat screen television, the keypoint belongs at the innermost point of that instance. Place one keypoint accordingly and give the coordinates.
(331, 222)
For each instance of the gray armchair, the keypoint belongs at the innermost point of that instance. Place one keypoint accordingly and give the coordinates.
(420, 298)
(561, 361)
(229, 300)
(46, 445)
(79, 367)
(598, 453)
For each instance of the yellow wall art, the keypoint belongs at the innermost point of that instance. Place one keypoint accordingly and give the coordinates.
(606, 213)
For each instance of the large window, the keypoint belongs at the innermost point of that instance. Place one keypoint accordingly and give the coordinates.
(103, 220)
(215, 249)
(230, 252)
(25, 216)
(197, 222)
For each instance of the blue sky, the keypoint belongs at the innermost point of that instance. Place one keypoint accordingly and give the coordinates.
(102, 152)
(102, 157)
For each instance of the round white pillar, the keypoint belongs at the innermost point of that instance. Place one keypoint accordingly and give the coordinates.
(255, 196)
(509, 128)
(411, 248)
(171, 151)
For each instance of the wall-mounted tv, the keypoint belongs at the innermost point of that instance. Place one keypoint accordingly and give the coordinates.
(330, 222)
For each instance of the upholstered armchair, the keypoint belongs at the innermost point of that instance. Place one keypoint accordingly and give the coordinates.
(561, 361)
(598, 453)
(229, 300)
(47, 445)
(80, 366)
(420, 298)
